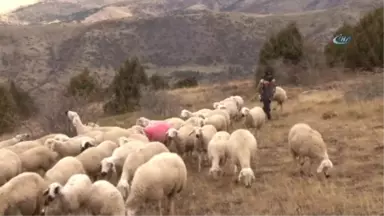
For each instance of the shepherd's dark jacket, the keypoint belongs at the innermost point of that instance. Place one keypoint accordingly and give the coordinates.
(266, 89)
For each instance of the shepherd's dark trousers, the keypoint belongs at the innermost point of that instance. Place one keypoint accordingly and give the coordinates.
(267, 108)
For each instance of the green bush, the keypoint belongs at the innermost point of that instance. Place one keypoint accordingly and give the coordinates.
(158, 82)
(287, 45)
(83, 85)
(125, 87)
(365, 50)
(8, 110)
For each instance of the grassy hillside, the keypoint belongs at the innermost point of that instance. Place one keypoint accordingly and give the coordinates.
(42, 58)
(349, 115)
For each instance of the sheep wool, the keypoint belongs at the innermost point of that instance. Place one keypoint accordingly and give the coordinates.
(254, 118)
(12, 141)
(92, 156)
(22, 195)
(203, 137)
(10, 165)
(305, 141)
(164, 175)
(175, 122)
(218, 153)
(134, 160)
(67, 199)
(280, 96)
(63, 170)
(38, 159)
(104, 199)
(218, 121)
(242, 149)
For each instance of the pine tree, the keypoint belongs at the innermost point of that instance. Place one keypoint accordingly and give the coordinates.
(83, 85)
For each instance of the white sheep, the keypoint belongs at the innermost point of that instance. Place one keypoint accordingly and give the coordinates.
(218, 121)
(186, 114)
(203, 137)
(231, 107)
(71, 147)
(104, 199)
(38, 159)
(305, 141)
(10, 165)
(195, 121)
(63, 170)
(29, 144)
(144, 122)
(113, 165)
(134, 160)
(222, 112)
(175, 122)
(239, 101)
(183, 140)
(92, 124)
(218, 153)
(280, 96)
(12, 141)
(123, 140)
(81, 128)
(92, 156)
(67, 199)
(22, 195)
(164, 175)
(254, 118)
(242, 147)
(61, 137)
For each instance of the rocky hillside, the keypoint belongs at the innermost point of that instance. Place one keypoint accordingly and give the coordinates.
(86, 11)
(42, 58)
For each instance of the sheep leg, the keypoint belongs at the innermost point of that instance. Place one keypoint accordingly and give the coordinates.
(159, 204)
(171, 203)
(302, 162)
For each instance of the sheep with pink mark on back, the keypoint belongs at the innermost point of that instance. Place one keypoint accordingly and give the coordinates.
(157, 131)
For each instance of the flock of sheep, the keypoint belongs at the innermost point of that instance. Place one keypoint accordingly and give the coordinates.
(106, 170)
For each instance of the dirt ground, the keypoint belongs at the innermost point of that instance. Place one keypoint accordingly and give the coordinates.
(349, 115)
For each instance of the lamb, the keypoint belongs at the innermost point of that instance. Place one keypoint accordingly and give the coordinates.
(12, 141)
(182, 139)
(242, 147)
(10, 165)
(72, 147)
(81, 128)
(38, 159)
(114, 164)
(218, 121)
(29, 144)
(134, 160)
(305, 141)
(164, 175)
(63, 170)
(203, 137)
(157, 131)
(254, 118)
(175, 122)
(104, 199)
(218, 153)
(195, 121)
(92, 156)
(22, 195)
(69, 198)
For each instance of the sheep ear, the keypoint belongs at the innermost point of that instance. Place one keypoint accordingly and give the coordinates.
(45, 193)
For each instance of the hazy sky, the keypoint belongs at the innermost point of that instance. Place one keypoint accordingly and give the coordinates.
(8, 5)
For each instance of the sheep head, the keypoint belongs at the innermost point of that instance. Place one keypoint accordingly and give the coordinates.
(215, 172)
(71, 114)
(53, 190)
(50, 143)
(172, 133)
(85, 145)
(185, 114)
(107, 166)
(142, 121)
(324, 166)
(246, 176)
(22, 137)
(244, 111)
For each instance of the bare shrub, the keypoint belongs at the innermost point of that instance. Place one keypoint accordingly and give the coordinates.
(52, 117)
(366, 90)
(160, 103)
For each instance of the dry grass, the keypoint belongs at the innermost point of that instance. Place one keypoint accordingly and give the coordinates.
(353, 132)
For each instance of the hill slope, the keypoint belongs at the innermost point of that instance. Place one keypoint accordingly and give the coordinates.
(43, 57)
